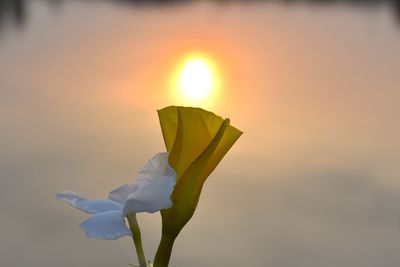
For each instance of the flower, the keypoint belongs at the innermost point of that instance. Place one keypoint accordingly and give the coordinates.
(150, 192)
(196, 140)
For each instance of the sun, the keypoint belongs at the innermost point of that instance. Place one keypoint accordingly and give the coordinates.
(197, 78)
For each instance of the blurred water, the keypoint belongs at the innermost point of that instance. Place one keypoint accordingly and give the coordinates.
(17, 11)
(312, 182)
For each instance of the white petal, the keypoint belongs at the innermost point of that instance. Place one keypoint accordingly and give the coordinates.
(157, 166)
(108, 225)
(155, 169)
(88, 206)
(151, 195)
(121, 194)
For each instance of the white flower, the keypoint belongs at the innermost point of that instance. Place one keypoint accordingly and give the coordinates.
(150, 192)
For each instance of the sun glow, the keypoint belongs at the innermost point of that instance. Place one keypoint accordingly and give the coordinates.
(197, 79)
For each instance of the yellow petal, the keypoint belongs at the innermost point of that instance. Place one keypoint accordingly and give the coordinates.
(187, 132)
(169, 124)
(231, 134)
(197, 141)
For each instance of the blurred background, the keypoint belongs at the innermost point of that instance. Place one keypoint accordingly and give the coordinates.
(314, 85)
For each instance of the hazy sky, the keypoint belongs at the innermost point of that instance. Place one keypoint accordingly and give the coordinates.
(312, 182)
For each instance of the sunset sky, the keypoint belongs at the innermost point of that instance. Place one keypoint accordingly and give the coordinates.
(313, 181)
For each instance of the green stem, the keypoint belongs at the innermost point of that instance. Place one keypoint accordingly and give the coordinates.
(164, 251)
(137, 238)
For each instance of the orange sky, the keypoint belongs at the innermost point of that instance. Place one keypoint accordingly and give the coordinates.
(312, 182)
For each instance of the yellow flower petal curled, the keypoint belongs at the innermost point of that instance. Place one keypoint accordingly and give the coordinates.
(188, 131)
(197, 140)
